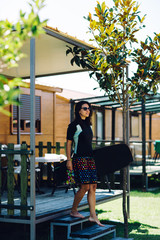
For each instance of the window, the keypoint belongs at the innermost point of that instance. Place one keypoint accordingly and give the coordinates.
(99, 125)
(134, 120)
(25, 114)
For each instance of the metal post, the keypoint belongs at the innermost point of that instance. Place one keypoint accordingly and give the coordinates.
(127, 114)
(104, 117)
(143, 145)
(113, 124)
(71, 110)
(32, 138)
(127, 142)
(150, 135)
(54, 119)
(18, 122)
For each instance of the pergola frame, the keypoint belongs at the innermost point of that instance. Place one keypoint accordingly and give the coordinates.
(97, 100)
(32, 122)
(30, 70)
(150, 106)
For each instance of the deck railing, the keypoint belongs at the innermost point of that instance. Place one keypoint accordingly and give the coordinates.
(10, 205)
(8, 178)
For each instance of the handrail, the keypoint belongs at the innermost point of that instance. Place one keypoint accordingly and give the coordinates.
(21, 207)
(10, 151)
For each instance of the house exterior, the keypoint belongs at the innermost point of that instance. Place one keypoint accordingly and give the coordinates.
(45, 122)
(51, 120)
(53, 111)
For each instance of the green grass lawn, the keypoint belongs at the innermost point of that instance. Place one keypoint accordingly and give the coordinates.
(144, 222)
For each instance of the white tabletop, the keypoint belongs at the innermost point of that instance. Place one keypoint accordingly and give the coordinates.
(49, 158)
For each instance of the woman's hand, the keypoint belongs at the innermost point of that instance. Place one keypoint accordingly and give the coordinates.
(69, 165)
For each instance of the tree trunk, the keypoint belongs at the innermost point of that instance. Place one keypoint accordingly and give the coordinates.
(124, 184)
(125, 215)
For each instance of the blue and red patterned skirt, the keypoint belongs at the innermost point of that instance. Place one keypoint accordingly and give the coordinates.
(84, 170)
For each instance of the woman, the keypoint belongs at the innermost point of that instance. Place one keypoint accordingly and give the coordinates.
(80, 134)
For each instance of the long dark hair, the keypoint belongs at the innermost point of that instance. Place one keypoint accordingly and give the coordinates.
(78, 108)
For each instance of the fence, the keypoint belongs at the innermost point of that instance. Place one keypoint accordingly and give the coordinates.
(8, 179)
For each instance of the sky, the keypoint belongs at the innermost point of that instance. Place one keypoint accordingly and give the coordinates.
(68, 17)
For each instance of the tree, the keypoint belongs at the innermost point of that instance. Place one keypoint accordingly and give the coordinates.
(12, 38)
(114, 35)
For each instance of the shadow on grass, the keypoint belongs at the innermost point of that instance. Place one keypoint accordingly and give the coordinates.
(141, 230)
(98, 211)
(102, 211)
(145, 193)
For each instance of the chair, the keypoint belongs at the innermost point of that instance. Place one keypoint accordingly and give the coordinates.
(138, 152)
(17, 168)
(157, 150)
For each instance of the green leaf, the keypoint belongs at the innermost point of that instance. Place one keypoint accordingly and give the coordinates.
(34, 29)
(3, 79)
(146, 41)
(72, 61)
(5, 112)
(150, 38)
(77, 61)
(139, 18)
(149, 63)
(82, 63)
(91, 74)
(99, 7)
(68, 51)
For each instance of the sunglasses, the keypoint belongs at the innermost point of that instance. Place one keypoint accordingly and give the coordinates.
(86, 108)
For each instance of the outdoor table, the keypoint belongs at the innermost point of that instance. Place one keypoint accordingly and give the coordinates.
(48, 159)
(51, 158)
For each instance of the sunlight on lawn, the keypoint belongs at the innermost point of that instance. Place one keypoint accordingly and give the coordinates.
(144, 215)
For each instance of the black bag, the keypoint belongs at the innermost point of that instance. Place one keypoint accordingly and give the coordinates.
(112, 158)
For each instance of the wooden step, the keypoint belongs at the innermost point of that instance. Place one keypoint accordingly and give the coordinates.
(67, 219)
(94, 232)
(119, 238)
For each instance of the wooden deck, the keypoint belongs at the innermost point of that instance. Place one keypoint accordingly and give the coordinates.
(150, 170)
(138, 171)
(50, 206)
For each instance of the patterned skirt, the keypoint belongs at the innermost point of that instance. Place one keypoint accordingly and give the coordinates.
(84, 170)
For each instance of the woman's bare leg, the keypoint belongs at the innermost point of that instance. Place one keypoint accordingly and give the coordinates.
(92, 204)
(78, 197)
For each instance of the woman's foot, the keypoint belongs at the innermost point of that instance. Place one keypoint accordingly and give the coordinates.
(76, 214)
(91, 219)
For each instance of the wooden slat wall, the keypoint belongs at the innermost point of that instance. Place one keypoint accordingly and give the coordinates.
(62, 119)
